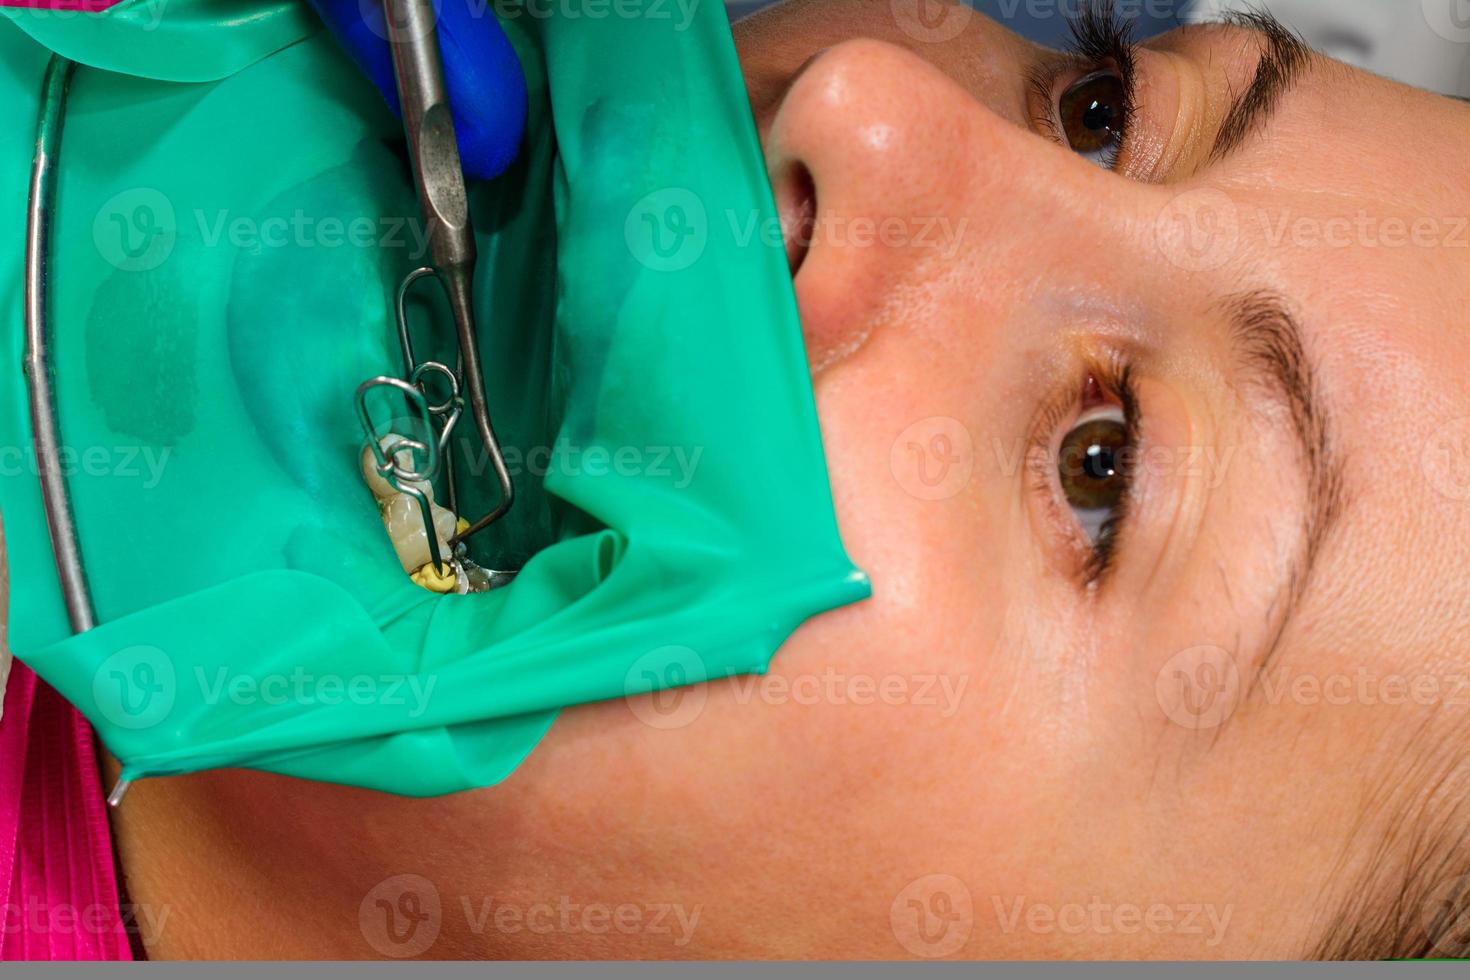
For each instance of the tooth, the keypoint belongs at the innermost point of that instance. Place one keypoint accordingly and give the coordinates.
(405, 524)
(380, 487)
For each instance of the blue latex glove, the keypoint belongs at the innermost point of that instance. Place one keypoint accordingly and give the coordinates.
(487, 91)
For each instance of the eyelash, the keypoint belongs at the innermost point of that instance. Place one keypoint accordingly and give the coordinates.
(1114, 375)
(1100, 39)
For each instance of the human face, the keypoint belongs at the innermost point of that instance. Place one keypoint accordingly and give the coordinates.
(1170, 702)
(1274, 305)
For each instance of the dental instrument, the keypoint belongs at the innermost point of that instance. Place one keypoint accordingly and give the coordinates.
(443, 200)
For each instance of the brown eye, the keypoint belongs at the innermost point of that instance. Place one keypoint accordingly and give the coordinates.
(1094, 116)
(1092, 466)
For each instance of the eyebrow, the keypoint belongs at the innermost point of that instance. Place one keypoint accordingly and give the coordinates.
(1281, 64)
(1267, 341)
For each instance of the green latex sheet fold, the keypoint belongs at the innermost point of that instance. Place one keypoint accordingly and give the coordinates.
(233, 213)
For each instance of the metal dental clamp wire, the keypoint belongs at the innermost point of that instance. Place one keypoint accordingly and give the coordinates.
(439, 179)
(71, 572)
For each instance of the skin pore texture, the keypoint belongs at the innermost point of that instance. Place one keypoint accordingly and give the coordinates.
(1241, 729)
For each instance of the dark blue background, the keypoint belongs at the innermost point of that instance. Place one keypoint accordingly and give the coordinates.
(1045, 20)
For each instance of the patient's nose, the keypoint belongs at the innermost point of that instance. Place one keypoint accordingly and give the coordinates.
(905, 190)
(867, 162)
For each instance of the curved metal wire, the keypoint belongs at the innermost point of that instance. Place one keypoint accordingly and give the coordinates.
(463, 374)
(45, 433)
(450, 409)
(71, 572)
(405, 479)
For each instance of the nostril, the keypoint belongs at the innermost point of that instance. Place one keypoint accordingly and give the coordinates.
(796, 203)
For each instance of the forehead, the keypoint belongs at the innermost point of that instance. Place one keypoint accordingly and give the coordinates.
(1356, 186)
